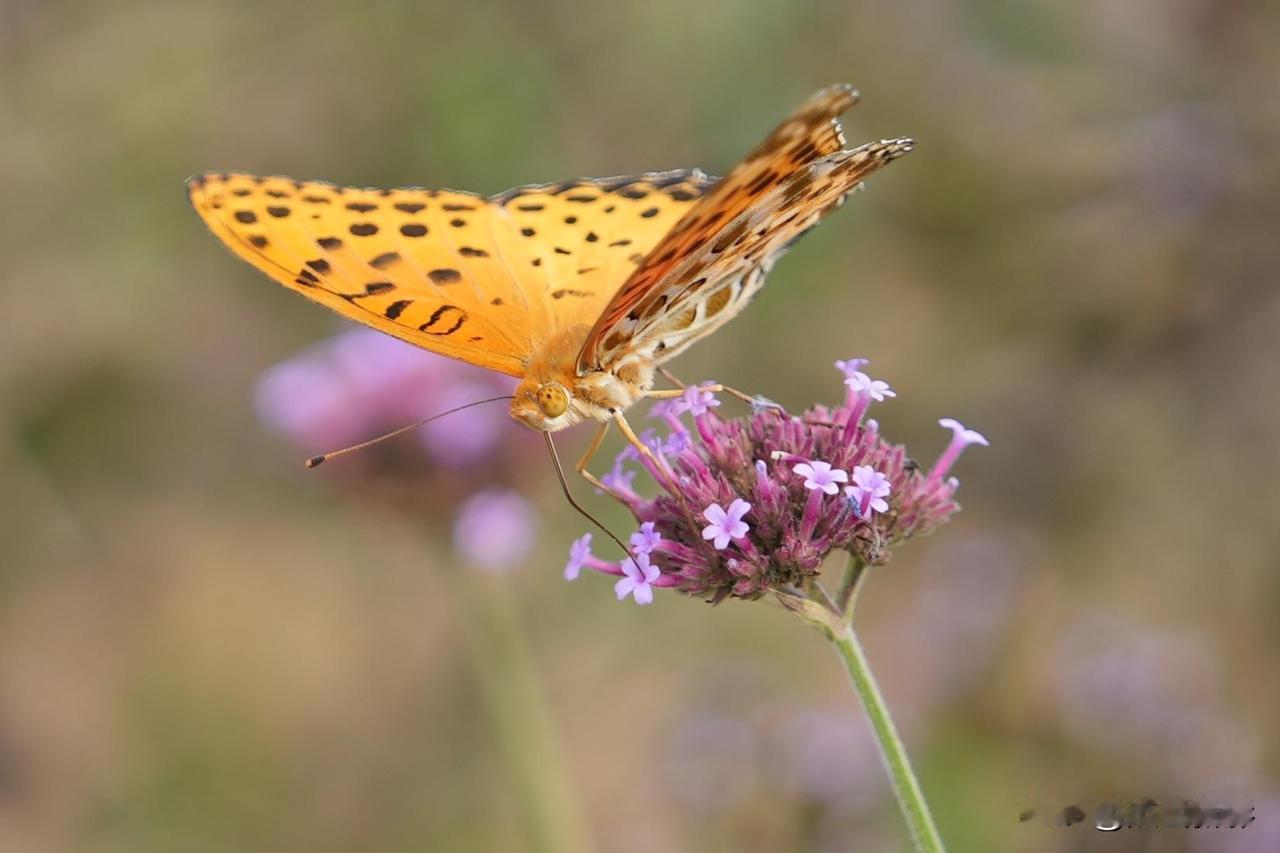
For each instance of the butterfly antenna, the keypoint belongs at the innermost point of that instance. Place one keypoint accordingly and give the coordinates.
(564, 486)
(325, 457)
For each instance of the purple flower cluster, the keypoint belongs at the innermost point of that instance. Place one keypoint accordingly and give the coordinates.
(755, 504)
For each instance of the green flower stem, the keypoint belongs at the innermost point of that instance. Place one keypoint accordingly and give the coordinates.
(905, 786)
(847, 594)
(516, 699)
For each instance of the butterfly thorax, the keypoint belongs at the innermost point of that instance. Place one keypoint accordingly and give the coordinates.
(554, 394)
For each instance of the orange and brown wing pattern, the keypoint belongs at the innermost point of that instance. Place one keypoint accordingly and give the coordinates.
(480, 280)
(576, 242)
(713, 261)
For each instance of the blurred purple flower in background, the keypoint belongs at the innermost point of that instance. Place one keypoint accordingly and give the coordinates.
(362, 383)
(1148, 692)
(952, 629)
(495, 530)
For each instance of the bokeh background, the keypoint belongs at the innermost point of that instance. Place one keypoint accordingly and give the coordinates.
(204, 647)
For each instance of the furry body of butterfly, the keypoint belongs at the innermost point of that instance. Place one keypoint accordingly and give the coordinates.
(582, 288)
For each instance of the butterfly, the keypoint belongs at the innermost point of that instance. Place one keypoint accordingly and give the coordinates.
(582, 289)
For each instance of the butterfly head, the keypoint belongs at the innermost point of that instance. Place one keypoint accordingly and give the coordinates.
(545, 399)
(554, 395)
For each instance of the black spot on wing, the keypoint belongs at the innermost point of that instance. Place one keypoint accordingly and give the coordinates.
(395, 309)
(363, 229)
(386, 259)
(413, 229)
(445, 320)
(444, 276)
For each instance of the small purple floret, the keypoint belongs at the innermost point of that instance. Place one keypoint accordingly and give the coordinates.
(960, 439)
(876, 389)
(726, 524)
(644, 540)
(851, 366)
(695, 399)
(869, 490)
(821, 476)
(637, 581)
(579, 554)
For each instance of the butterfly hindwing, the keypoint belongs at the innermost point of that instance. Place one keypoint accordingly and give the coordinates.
(714, 260)
(579, 240)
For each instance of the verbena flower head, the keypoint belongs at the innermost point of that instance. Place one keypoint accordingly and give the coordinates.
(753, 504)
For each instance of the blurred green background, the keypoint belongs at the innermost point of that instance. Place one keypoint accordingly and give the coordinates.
(204, 647)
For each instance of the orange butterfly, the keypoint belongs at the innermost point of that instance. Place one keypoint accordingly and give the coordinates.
(582, 288)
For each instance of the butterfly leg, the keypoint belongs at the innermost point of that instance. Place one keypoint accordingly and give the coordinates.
(659, 467)
(671, 393)
(581, 467)
(643, 449)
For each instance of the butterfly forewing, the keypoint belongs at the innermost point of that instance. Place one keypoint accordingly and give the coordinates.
(482, 280)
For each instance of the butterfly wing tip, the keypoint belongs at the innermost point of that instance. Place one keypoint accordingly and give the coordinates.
(194, 186)
(892, 149)
(844, 95)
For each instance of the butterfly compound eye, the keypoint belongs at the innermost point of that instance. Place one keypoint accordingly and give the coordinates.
(553, 400)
